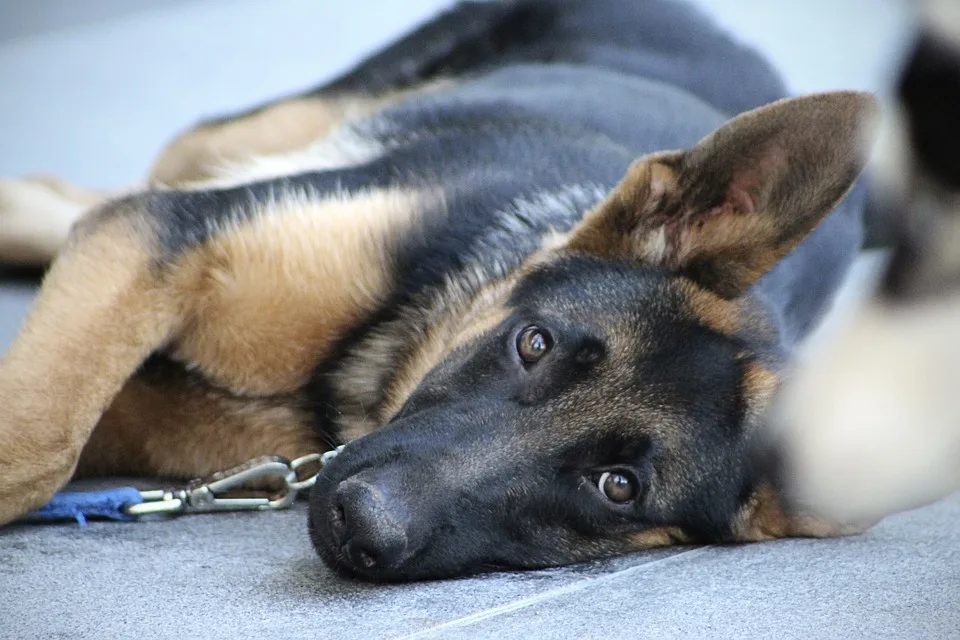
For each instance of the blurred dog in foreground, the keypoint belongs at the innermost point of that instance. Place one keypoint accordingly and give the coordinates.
(873, 426)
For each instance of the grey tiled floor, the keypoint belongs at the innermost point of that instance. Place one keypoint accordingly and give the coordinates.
(253, 576)
(93, 98)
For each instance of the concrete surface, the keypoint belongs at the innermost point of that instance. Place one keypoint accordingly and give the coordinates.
(254, 576)
(93, 95)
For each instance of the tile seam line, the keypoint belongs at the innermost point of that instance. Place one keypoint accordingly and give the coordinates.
(516, 605)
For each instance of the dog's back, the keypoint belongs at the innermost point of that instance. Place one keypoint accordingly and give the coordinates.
(588, 85)
(661, 40)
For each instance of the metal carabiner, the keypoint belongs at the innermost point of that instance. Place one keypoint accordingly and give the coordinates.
(210, 494)
(206, 495)
(318, 459)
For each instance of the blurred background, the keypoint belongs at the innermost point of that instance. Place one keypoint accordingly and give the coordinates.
(92, 89)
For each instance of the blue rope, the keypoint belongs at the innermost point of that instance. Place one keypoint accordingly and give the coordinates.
(79, 505)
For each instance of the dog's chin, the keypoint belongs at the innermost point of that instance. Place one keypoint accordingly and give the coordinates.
(418, 568)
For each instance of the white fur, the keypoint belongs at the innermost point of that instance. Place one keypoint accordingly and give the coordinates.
(35, 219)
(348, 146)
(873, 426)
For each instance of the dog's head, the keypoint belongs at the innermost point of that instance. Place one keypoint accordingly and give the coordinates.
(605, 399)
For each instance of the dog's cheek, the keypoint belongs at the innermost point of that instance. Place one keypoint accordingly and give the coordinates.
(767, 516)
(658, 537)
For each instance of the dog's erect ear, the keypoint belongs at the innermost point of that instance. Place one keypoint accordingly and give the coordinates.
(723, 212)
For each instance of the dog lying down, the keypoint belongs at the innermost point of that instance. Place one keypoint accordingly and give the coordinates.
(543, 263)
(873, 426)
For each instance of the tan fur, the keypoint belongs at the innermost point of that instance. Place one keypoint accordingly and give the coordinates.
(298, 277)
(99, 314)
(455, 328)
(465, 312)
(38, 212)
(659, 537)
(764, 517)
(759, 386)
(285, 126)
(618, 226)
(179, 429)
(343, 148)
(723, 316)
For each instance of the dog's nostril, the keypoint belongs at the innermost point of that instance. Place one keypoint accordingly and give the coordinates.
(360, 555)
(338, 518)
(367, 561)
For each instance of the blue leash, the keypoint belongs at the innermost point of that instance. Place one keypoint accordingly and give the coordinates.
(111, 504)
(203, 495)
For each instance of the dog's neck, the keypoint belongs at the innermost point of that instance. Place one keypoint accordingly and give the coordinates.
(377, 369)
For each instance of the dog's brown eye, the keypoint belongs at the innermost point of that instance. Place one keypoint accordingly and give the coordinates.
(617, 487)
(533, 343)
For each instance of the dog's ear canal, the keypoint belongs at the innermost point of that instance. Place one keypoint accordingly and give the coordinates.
(723, 212)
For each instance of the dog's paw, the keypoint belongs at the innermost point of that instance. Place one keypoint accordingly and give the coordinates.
(36, 215)
(870, 427)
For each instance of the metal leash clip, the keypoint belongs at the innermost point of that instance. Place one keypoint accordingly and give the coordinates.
(225, 490)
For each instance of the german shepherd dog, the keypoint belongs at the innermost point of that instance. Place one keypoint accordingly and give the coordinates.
(541, 261)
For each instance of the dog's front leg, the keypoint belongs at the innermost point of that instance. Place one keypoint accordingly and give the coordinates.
(102, 310)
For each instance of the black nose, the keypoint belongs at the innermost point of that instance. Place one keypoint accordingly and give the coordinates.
(369, 528)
